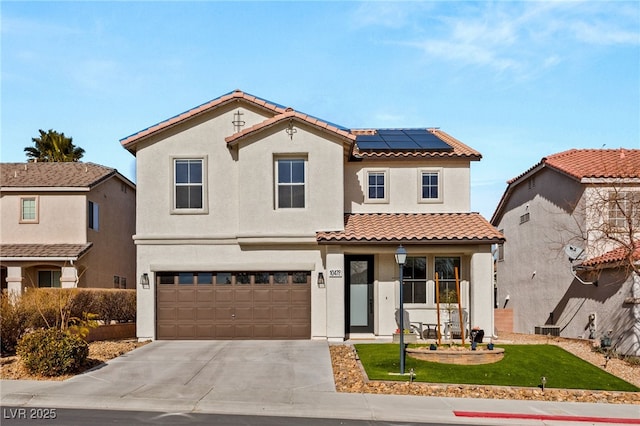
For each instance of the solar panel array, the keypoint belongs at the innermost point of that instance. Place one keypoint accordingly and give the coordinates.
(402, 140)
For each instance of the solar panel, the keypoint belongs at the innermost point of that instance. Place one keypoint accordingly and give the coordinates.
(402, 140)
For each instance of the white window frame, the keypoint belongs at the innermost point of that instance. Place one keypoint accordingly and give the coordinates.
(93, 215)
(205, 198)
(439, 172)
(377, 171)
(622, 206)
(276, 180)
(36, 208)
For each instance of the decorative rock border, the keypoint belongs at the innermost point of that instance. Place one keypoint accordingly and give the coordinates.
(457, 356)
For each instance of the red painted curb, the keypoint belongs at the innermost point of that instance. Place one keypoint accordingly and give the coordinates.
(550, 417)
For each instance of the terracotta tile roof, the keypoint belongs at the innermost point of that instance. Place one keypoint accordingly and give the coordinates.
(460, 150)
(593, 163)
(44, 250)
(611, 257)
(69, 174)
(207, 106)
(419, 228)
(288, 115)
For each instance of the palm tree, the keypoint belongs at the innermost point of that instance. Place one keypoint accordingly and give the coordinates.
(52, 146)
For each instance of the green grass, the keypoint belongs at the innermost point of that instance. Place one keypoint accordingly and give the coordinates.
(523, 365)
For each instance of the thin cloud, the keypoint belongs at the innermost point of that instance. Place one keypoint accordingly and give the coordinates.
(523, 39)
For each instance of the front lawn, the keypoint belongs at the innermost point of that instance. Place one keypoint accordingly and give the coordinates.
(523, 365)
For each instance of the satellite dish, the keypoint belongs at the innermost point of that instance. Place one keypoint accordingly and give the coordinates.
(573, 252)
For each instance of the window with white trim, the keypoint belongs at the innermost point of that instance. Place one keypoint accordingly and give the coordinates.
(189, 185)
(414, 280)
(29, 210)
(624, 210)
(377, 186)
(290, 184)
(430, 185)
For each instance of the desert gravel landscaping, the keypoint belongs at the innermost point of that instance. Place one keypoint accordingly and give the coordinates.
(349, 377)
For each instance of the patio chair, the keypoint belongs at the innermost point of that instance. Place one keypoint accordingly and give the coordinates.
(413, 327)
(454, 324)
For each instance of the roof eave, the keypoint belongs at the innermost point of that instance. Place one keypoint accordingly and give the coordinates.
(412, 241)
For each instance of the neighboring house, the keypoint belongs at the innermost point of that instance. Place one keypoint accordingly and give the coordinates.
(66, 225)
(571, 222)
(256, 221)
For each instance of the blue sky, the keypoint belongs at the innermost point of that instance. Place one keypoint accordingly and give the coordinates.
(515, 80)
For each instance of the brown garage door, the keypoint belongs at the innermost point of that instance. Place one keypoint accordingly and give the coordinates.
(233, 305)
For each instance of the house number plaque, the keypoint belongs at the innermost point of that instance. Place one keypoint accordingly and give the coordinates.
(335, 273)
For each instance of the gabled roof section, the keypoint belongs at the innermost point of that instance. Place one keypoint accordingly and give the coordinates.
(413, 228)
(43, 251)
(581, 165)
(447, 146)
(290, 114)
(611, 258)
(457, 148)
(592, 163)
(52, 175)
(274, 108)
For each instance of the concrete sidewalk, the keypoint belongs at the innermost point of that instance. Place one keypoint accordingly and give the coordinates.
(275, 378)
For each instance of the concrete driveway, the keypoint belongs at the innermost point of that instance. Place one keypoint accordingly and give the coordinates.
(185, 375)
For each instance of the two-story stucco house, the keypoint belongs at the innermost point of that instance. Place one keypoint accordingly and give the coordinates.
(66, 225)
(257, 221)
(571, 222)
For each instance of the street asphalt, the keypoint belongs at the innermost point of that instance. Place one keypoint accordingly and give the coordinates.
(274, 378)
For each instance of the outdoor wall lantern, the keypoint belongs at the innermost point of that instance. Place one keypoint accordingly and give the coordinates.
(320, 280)
(401, 258)
(144, 280)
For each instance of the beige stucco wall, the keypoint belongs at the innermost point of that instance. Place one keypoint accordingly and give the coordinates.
(403, 177)
(204, 137)
(62, 218)
(113, 252)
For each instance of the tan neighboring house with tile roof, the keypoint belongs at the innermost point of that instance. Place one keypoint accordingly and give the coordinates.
(583, 198)
(256, 221)
(66, 225)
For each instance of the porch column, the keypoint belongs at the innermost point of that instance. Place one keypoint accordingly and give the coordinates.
(68, 277)
(335, 294)
(14, 280)
(481, 292)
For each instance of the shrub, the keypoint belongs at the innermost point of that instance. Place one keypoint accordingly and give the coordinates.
(13, 322)
(117, 305)
(52, 352)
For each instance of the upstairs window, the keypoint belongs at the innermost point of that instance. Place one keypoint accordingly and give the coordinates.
(93, 215)
(377, 187)
(290, 191)
(29, 210)
(430, 185)
(624, 210)
(189, 194)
